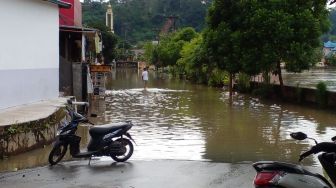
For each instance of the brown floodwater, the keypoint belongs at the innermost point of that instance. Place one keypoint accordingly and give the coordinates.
(178, 120)
(312, 77)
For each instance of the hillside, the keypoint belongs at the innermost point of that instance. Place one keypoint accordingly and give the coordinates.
(140, 20)
(331, 35)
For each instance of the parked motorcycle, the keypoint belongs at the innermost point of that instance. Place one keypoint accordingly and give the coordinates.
(106, 140)
(273, 174)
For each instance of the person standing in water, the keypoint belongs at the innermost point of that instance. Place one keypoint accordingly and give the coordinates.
(145, 77)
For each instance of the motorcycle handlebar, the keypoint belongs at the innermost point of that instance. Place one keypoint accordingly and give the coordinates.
(328, 147)
(81, 103)
(305, 154)
(78, 103)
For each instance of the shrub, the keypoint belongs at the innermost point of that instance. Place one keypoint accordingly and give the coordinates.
(243, 83)
(298, 93)
(218, 78)
(331, 59)
(174, 71)
(263, 91)
(321, 94)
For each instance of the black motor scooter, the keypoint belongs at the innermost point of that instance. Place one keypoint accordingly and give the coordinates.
(106, 140)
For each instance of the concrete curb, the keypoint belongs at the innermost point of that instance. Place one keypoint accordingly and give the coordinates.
(26, 127)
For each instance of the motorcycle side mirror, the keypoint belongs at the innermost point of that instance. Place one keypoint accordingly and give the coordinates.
(333, 138)
(298, 135)
(69, 101)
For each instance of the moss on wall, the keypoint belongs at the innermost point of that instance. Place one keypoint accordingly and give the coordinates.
(23, 137)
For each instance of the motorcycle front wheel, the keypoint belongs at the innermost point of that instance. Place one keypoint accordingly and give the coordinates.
(57, 153)
(127, 150)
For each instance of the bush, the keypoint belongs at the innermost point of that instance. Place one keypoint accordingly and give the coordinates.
(298, 93)
(174, 71)
(218, 78)
(331, 59)
(243, 83)
(263, 91)
(321, 94)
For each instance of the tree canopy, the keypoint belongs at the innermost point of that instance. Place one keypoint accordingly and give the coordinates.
(256, 36)
(170, 46)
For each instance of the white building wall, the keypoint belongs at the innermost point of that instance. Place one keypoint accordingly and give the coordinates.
(29, 52)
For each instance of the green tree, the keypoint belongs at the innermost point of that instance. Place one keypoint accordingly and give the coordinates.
(148, 54)
(332, 32)
(292, 31)
(171, 45)
(256, 36)
(191, 62)
(331, 59)
(169, 50)
(109, 41)
(194, 64)
(222, 38)
(322, 94)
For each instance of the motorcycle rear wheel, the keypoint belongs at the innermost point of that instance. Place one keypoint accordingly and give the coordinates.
(57, 154)
(127, 153)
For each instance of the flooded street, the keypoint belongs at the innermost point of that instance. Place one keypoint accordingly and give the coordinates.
(181, 121)
(311, 78)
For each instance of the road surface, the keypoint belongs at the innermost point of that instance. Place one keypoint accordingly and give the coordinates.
(133, 174)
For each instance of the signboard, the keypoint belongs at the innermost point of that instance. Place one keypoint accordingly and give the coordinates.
(100, 68)
(98, 91)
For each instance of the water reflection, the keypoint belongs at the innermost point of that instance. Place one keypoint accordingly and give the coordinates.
(162, 122)
(212, 127)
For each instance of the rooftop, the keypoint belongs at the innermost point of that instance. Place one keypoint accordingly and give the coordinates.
(329, 44)
(60, 4)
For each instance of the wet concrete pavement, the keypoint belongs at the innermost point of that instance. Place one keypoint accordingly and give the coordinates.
(30, 112)
(133, 174)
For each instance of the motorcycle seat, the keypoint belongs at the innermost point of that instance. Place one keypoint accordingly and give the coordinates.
(275, 165)
(105, 129)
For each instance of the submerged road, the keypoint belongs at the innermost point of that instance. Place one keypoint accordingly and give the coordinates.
(133, 174)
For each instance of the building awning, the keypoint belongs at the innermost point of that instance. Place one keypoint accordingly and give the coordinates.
(61, 4)
(74, 29)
